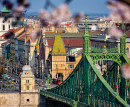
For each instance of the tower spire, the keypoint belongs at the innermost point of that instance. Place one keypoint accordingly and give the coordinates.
(123, 41)
(86, 37)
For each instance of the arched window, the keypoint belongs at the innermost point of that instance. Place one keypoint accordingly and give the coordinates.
(127, 50)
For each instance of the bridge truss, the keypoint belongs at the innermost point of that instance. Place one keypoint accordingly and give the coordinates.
(85, 86)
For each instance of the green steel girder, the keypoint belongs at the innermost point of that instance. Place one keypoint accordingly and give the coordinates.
(104, 82)
(85, 86)
(63, 99)
(101, 50)
(109, 56)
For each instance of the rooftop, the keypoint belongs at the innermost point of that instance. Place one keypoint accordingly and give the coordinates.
(70, 35)
(58, 46)
(72, 42)
(22, 37)
(4, 10)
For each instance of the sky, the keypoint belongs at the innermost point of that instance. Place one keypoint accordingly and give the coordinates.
(90, 6)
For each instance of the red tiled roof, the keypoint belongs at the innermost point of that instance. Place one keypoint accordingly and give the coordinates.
(22, 37)
(7, 32)
(14, 31)
(68, 24)
(19, 28)
(72, 42)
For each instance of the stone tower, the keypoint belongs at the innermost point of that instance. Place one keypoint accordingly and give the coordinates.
(29, 96)
(58, 58)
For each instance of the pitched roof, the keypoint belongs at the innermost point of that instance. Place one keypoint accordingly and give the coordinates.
(58, 46)
(7, 32)
(72, 42)
(16, 30)
(22, 37)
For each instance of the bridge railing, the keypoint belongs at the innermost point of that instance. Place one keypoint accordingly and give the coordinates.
(99, 91)
(87, 86)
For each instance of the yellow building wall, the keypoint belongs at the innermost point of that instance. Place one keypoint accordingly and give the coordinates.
(60, 63)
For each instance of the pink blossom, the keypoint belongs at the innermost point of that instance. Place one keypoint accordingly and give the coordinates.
(126, 70)
(54, 15)
(35, 34)
(113, 5)
(26, 3)
(65, 13)
(115, 16)
(43, 14)
(123, 7)
(114, 32)
(127, 16)
(60, 14)
(20, 8)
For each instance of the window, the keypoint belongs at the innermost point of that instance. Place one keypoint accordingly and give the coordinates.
(27, 99)
(9, 26)
(27, 81)
(27, 87)
(3, 27)
(71, 66)
(3, 21)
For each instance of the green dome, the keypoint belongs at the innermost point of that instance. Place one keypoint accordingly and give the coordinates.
(5, 10)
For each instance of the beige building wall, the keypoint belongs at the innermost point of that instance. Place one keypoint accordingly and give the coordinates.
(58, 61)
(9, 99)
(47, 50)
(31, 54)
(67, 29)
(27, 81)
(71, 29)
(29, 100)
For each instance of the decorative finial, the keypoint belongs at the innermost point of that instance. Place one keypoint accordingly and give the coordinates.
(86, 16)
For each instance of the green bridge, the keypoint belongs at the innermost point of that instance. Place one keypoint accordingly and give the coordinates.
(86, 86)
